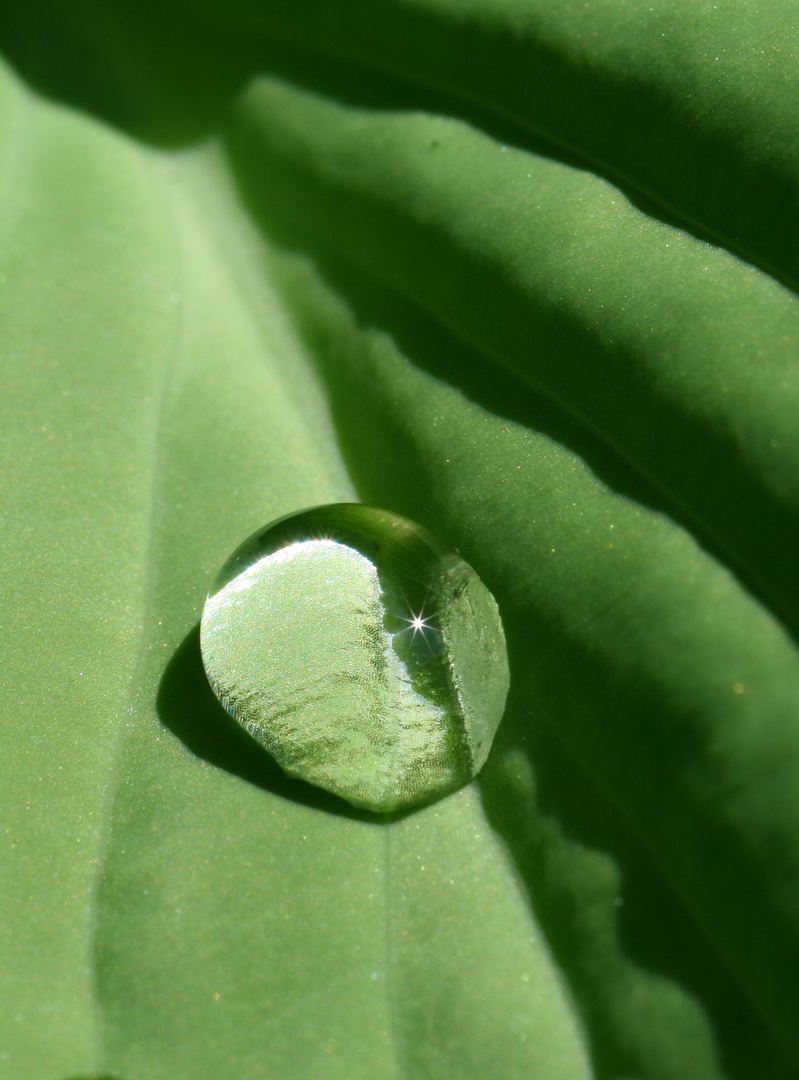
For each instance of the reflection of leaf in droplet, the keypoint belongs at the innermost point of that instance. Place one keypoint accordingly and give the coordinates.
(294, 642)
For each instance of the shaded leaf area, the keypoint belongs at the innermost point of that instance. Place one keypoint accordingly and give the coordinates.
(579, 294)
(690, 104)
(618, 894)
(144, 67)
(648, 661)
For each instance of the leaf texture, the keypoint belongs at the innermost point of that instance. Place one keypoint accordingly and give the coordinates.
(525, 275)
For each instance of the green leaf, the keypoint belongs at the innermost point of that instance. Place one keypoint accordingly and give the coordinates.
(689, 104)
(237, 279)
(580, 293)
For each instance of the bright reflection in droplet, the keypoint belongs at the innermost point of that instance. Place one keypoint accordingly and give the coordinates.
(366, 657)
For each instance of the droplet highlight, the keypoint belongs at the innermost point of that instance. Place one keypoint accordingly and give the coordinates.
(365, 656)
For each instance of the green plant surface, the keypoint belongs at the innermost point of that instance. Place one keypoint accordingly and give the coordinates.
(690, 104)
(524, 274)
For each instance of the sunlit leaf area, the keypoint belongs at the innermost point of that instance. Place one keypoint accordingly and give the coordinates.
(526, 273)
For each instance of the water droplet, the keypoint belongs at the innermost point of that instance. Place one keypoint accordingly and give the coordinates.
(366, 657)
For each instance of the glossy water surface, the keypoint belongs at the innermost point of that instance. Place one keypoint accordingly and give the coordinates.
(366, 657)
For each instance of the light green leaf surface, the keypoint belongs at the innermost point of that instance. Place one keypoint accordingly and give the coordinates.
(237, 280)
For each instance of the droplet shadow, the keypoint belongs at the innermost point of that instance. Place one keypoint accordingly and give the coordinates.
(187, 707)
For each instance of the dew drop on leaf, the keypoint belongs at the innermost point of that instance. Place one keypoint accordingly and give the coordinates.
(365, 656)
